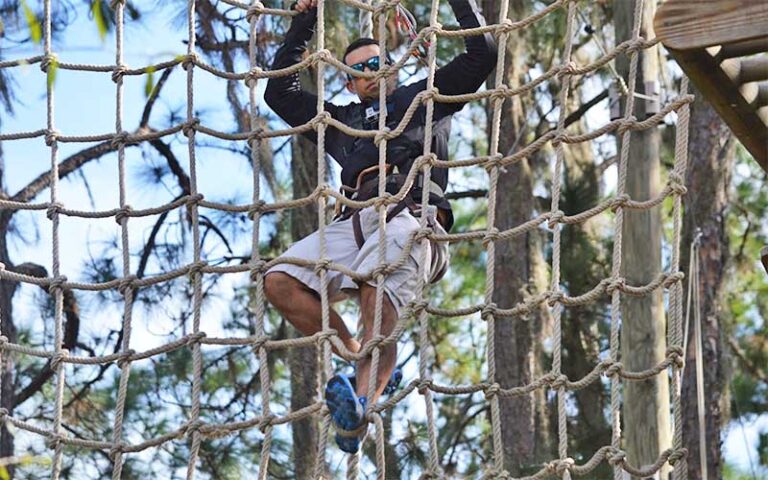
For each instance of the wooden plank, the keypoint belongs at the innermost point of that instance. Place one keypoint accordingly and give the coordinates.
(688, 24)
(745, 122)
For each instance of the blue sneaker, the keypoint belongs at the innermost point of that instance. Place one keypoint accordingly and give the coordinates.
(347, 413)
(394, 382)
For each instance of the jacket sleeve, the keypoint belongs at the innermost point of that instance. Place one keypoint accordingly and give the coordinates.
(467, 72)
(284, 94)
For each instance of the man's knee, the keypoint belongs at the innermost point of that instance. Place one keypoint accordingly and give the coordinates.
(278, 286)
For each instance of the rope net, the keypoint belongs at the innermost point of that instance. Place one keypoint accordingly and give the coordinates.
(555, 298)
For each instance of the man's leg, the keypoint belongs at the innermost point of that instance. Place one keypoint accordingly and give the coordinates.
(302, 308)
(388, 354)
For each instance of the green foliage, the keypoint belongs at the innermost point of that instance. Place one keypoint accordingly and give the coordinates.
(33, 23)
(100, 12)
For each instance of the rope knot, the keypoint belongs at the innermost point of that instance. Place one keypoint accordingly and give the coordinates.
(620, 202)
(676, 354)
(492, 390)
(254, 10)
(555, 218)
(189, 128)
(385, 7)
(123, 214)
(322, 117)
(194, 338)
(125, 358)
(119, 139)
(255, 136)
(53, 210)
(677, 455)
(54, 441)
(564, 465)
(423, 386)
(617, 283)
(422, 233)
(560, 381)
(322, 265)
(492, 235)
(506, 26)
(48, 61)
(554, 297)
(379, 272)
(617, 457)
(3, 341)
(382, 201)
(323, 55)
(257, 269)
(613, 368)
(266, 422)
(326, 335)
(50, 137)
(428, 95)
(3, 413)
(194, 200)
(677, 184)
(117, 449)
(259, 343)
(488, 311)
(118, 72)
(57, 283)
(672, 278)
(383, 134)
(127, 283)
(500, 93)
(376, 341)
(194, 427)
(419, 306)
(253, 76)
(627, 124)
(189, 61)
(58, 358)
(567, 69)
(256, 209)
(494, 161)
(196, 268)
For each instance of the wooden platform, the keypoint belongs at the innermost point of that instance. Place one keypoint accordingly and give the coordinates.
(722, 45)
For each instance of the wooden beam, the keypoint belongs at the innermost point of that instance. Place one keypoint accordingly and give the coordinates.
(689, 24)
(740, 115)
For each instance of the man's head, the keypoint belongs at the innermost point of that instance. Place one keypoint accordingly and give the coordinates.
(363, 55)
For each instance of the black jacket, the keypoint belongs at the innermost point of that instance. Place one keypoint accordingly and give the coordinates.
(464, 74)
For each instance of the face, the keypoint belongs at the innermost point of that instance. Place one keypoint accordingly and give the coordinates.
(366, 88)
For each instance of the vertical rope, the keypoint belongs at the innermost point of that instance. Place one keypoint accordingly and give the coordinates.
(433, 467)
(53, 214)
(196, 273)
(128, 293)
(562, 420)
(256, 264)
(675, 333)
(617, 246)
(366, 22)
(490, 244)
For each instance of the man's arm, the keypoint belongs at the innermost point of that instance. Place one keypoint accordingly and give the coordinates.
(467, 72)
(284, 94)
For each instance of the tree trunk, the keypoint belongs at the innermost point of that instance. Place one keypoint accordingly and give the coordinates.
(8, 330)
(647, 429)
(514, 337)
(303, 361)
(711, 160)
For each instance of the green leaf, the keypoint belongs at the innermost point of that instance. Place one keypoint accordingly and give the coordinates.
(4, 475)
(150, 81)
(35, 29)
(52, 69)
(98, 17)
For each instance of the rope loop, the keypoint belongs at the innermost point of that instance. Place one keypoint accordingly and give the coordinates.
(189, 61)
(254, 10)
(3, 413)
(677, 455)
(379, 271)
(126, 358)
(494, 161)
(53, 210)
(384, 7)
(123, 214)
(423, 386)
(116, 450)
(189, 128)
(422, 233)
(195, 338)
(54, 441)
(492, 390)
(672, 278)
(193, 428)
(419, 307)
(259, 343)
(322, 117)
(492, 235)
(257, 269)
(616, 283)
(500, 93)
(47, 61)
(58, 358)
(676, 354)
(564, 465)
(255, 136)
(119, 139)
(677, 184)
(57, 283)
(506, 26)
(51, 136)
(620, 201)
(555, 218)
(3, 341)
(554, 297)
(568, 69)
(194, 200)
(196, 268)
(326, 335)
(118, 73)
(256, 209)
(323, 55)
(322, 265)
(266, 422)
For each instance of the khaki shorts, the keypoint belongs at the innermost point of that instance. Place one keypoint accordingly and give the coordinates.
(341, 247)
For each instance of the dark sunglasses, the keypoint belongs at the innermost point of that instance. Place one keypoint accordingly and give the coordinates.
(372, 64)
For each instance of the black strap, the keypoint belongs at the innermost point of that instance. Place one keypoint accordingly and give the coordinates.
(357, 229)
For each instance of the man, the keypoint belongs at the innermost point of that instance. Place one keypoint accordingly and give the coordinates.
(352, 239)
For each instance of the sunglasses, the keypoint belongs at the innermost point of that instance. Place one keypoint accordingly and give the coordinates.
(372, 64)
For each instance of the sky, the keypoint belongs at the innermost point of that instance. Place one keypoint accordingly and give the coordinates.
(85, 104)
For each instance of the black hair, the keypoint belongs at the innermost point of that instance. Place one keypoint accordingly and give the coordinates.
(362, 42)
